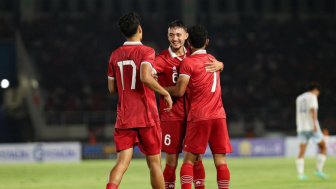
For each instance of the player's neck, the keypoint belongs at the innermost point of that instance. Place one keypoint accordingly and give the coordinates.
(315, 92)
(179, 51)
(134, 38)
(193, 49)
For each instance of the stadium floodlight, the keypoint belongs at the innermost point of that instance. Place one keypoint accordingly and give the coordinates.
(4, 83)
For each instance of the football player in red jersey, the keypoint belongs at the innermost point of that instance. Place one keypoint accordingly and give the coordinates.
(130, 75)
(206, 119)
(173, 123)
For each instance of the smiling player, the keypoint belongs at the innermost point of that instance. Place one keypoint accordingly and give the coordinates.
(206, 116)
(173, 123)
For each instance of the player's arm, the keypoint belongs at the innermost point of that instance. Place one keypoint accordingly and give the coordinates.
(111, 80)
(314, 117)
(214, 65)
(179, 89)
(147, 78)
(158, 66)
(112, 85)
(154, 74)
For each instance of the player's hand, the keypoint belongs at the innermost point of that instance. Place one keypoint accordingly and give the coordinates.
(169, 102)
(315, 128)
(214, 65)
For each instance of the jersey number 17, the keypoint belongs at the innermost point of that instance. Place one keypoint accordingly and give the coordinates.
(121, 65)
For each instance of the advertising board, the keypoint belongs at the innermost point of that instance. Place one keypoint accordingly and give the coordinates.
(40, 152)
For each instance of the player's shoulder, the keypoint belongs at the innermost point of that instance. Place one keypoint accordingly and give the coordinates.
(306, 95)
(188, 61)
(123, 48)
(301, 95)
(163, 53)
(162, 56)
(205, 56)
(211, 56)
(116, 52)
(145, 48)
(312, 97)
(136, 47)
(117, 49)
(195, 57)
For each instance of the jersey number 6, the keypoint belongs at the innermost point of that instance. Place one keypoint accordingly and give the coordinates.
(167, 140)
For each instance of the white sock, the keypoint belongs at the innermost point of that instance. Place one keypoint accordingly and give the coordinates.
(321, 158)
(300, 166)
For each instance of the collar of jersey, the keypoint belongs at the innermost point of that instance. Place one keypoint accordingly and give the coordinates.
(201, 51)
(173, 55)
(132, 43)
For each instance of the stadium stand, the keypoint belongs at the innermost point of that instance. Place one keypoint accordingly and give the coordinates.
(267, 64)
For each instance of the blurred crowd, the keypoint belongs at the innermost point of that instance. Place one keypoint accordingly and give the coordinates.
(267, 64)
(6, 30)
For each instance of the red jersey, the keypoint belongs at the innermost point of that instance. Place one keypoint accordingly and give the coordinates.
(167, 65)
(203, 92)
(137, 103)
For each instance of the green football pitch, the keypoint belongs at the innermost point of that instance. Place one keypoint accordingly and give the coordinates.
(246, 173)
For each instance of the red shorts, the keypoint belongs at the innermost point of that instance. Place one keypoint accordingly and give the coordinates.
(147, 138)
(172, 136)
(214, 131)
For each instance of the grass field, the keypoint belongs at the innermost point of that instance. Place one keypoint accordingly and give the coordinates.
(246, 173)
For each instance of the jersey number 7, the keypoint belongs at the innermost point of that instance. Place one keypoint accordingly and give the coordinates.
(213, 88)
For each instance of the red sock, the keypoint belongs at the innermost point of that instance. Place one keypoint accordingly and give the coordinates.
(111, 186)
(169, 176)
(186, 176)
(223, 176)
(199, 175)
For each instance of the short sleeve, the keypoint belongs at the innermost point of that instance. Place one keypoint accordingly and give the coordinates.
(149, 55)
(185, 68)
(110, 73)
(159, 64)
(313, 102)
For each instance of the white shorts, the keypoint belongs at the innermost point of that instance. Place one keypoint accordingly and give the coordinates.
(316, 137)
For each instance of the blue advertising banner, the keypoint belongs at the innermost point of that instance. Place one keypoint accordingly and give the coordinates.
(254, 148)
(99, 151)
(40, 152)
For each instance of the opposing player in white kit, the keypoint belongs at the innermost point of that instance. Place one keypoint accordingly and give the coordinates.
(308, 127)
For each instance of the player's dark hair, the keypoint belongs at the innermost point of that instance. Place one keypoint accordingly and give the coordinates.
(314, 85)
(197, 36)
(128, 24)
(178, 24)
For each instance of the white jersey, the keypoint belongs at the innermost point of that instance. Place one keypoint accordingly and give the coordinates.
(304, 120)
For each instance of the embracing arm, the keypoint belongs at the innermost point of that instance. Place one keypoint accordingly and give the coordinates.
(147, 78)
(214, 65)
(179, 89)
